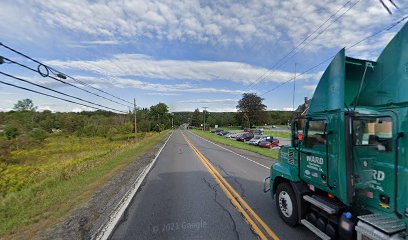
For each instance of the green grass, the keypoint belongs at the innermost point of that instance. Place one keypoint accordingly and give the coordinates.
(230, 142)
(41, 203)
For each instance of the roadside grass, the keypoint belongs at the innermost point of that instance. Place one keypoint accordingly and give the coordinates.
(64, 182)
(230, 142)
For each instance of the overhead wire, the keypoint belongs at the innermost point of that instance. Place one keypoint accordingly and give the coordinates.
(56, 91)
(259, 79)
(59, 73)
(391, 26)
(49, 95)
(46, 74)
(315, 37)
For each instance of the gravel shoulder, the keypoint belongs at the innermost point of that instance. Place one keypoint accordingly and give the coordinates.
(84, 221)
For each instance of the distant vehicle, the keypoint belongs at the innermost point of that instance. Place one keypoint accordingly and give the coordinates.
(233, 135)
(255, 140)
(248, 130)
(274, 126)
(245, 137)
(258, 131)
(230, 135)
(222, 133)
(269, 143)
(217, 130)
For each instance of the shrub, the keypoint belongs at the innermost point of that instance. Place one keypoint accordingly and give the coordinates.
(38, 134)
(11, 132)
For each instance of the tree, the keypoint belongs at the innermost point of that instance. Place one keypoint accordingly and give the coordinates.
(38, 134)
(159, 112)
(196, 119)
(251, 109)
(25, 105)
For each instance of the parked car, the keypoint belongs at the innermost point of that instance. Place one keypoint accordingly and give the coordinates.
(222, 133)
(258, 131)
(229, 135)
(270, 143)
(233, 135)
(245, 137)
(216, 130)
(257, 139)
(248, 130)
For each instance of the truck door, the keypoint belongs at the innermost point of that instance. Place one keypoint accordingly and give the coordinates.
(313, 162)
(373, 159)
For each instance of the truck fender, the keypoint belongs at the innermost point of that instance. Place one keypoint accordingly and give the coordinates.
(300, 189)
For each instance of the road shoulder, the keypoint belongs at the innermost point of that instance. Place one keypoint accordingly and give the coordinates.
(85, 221)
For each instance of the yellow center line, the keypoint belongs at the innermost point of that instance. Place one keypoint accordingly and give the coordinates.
(233, 195)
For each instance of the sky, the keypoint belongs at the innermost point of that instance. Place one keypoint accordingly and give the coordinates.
(188, 54)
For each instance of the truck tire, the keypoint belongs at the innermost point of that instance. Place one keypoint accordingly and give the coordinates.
(286, 204)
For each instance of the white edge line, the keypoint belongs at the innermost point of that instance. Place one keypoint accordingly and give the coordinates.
(229, 150)
(105, 231)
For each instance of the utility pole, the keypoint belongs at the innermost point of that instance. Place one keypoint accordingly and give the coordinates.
(134, 102)
(205, 109)
(294, 89)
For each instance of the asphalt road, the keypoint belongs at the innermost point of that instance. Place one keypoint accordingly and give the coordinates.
(181, 199)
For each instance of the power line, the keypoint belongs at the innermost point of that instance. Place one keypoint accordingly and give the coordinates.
(259, 79)
(320, 33)
(48, 95)
(50, 89)
(353, 45)
(308, 70)
(59, 73)
(46, 74)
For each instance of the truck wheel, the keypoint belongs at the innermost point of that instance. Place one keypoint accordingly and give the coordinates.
(286, 204)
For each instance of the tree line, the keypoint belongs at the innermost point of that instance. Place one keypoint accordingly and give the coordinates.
(24, 126)
(250, 112)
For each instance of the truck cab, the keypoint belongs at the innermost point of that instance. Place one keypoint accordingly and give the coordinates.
(344, 174)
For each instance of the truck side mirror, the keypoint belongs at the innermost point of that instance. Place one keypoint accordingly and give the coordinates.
(296, 137)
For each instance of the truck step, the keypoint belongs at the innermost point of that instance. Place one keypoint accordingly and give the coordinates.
(314, 229)
(321, 203)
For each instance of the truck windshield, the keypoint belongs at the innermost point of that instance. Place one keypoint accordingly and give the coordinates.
(373, 132)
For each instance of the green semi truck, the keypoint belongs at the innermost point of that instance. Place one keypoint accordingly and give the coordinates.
(345, 174)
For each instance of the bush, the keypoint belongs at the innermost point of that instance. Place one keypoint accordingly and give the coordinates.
(11, 132)
(38, 134)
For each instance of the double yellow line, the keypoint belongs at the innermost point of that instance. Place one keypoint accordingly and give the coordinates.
(235, 198)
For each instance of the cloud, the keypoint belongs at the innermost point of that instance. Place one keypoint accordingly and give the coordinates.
(212, 101)
(157, 87)
(216, 22)
(212, 109)
(163, 94)
(81, 109)
(101, 42)
(272, 24)
(140, 65)
(310, 87)
(45, 108)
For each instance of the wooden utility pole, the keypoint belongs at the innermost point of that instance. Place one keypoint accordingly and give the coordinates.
(205, 109)
(294, 90)
(134, 102)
